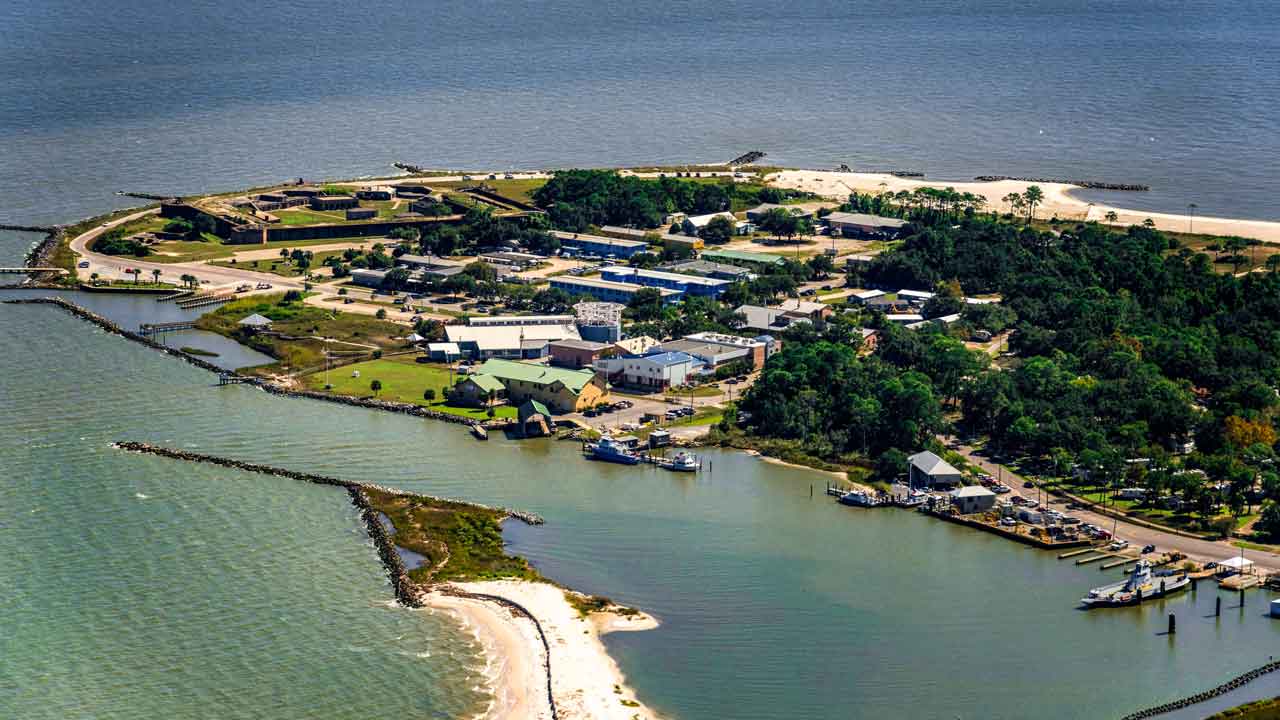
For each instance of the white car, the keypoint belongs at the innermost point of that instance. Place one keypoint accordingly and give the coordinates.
(1118, 545)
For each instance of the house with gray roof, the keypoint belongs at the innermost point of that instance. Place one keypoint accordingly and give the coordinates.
(926, 469)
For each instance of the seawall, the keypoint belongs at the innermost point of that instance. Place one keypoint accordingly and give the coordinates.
(266, 385)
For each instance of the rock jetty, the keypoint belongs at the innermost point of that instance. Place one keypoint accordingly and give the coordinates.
(228, 377)
(407, 592)
(1222, 689)
(1090, 184)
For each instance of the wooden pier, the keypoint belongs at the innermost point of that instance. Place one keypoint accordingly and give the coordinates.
(149, 329)
(1074, 553)
(232, 379)
(204, 299)
(175, 296)
(1095, 558)
(1118, 563)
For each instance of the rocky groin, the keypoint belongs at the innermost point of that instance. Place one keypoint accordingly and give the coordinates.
(1223, 689)
(1089, 184)
(407, 592)
(263, 383)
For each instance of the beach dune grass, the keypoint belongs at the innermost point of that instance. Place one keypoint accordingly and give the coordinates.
(459, 541)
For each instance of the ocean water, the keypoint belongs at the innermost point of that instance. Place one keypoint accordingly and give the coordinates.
(140, 588)
(183, 97)
(137, 584)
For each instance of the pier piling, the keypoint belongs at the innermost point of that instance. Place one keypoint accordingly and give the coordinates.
(1217, 606)
(1173, 624)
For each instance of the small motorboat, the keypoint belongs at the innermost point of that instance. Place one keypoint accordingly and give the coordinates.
(682, 462)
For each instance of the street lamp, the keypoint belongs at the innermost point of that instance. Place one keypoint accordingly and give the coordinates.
(1191, 217)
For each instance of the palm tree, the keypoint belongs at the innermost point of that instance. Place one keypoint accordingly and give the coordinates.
(93, 277)
(1149, 223)
(1273, 263)
(1191, 216)
(1112, 216)
(376, 386)
(135, 272)
(155, 275)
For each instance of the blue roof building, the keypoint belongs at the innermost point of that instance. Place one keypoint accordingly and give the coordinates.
(687, 284)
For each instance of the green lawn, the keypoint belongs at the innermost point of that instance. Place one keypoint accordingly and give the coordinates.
(304, 322)
(403, 380)
(283, 267)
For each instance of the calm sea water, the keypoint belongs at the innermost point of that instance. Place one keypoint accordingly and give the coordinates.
(182, 97)
(140, 588)
(135, 585)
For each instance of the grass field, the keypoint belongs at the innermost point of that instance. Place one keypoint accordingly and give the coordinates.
(303, 322)
(283, 267)
(702, 391)
(515, 189)
(403, 380)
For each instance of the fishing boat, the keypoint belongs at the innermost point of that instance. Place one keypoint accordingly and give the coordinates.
(682, 462)
(1140, 585)
(915, 498)
(609, 450)
(858, 498)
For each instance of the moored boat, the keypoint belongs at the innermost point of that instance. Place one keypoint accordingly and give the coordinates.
(858, 498)
(682, 462)
(1140, 585)
(479, 431)
(608, 450)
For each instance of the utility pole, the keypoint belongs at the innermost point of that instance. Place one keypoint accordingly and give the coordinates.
(1191, 217)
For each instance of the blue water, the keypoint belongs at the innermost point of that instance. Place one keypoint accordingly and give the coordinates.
(181, 97)
(139, 588)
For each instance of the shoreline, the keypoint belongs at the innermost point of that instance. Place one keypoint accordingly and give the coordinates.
(1058, 200)
(551, 644)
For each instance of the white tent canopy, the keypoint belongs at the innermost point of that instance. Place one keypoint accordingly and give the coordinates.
(1236, 563)
(415, 338)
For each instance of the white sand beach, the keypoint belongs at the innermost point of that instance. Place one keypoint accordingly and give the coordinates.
(586, 682)
(1057, 201)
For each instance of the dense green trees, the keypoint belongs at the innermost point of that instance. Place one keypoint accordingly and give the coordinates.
(577, 199)
(114, 242)
(834, 402)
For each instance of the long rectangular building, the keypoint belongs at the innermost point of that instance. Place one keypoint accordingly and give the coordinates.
(606, 290)
(739, 257)
(599, 245)
(687, 284)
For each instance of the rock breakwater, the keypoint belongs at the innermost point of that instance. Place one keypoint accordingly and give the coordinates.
(407, 592)
(1222, 689)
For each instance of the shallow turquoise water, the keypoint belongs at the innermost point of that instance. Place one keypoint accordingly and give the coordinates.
(140, 588)
(772, 603)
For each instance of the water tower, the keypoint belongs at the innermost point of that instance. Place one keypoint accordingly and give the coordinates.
(600, 321)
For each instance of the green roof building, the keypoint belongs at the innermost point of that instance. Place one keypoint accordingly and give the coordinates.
(555, 389)
(738, 257)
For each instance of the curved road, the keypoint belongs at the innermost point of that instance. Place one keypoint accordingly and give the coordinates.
(111, 266)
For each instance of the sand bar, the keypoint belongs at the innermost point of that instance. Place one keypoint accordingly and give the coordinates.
(585, 681)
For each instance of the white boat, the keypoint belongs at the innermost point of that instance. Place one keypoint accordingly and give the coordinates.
(682, 462)
(1140, 585)
(858, 498)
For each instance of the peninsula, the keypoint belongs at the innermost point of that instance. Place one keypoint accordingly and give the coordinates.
(1000, 354)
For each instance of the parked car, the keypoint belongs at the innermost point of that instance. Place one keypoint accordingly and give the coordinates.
(83, 264)
(1118, 545)
(1146, 549)
(1008, 522)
